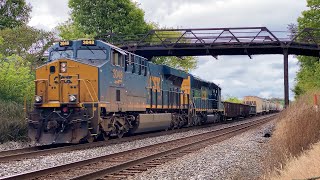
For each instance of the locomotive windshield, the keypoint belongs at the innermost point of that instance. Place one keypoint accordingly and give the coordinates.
(54, 55)
(92, 54)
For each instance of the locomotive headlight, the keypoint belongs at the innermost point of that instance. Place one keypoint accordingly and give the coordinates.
(72, 98)
(63, 64)
(63, 70)
(38, 99)
(63, 67)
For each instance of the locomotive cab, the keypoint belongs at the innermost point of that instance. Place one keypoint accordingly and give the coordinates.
(67, 94)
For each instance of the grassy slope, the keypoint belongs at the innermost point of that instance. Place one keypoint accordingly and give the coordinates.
(296, 131)
(304, 167)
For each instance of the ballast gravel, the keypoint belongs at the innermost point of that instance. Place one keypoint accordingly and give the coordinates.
(15, 145)
(217, 152)
(239, 157)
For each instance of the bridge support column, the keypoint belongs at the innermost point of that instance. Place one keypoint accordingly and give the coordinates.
(286, 77)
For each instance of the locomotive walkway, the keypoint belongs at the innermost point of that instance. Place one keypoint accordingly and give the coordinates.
(131, 162)
(221, 41)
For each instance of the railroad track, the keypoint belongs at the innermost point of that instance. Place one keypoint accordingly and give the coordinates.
(128, 163)
(31, 152)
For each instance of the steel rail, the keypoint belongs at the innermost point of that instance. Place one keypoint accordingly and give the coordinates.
(113, 159)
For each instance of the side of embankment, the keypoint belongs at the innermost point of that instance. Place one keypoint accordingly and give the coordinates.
(294, 151)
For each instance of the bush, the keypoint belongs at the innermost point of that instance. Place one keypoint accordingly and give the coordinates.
(16, 79)
(16, 86)
(13, 124)
(297, 129)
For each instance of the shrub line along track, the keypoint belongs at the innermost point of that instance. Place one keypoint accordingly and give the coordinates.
(131, 162)
(30, 152)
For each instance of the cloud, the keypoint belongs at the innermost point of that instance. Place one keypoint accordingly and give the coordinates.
(223, 13)
(47, 14)
(240, 76)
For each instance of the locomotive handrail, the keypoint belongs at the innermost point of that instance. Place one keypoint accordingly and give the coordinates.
(46, 89)
(85, 83)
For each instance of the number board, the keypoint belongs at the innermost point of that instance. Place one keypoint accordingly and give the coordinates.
(88, 42)
(65, 43)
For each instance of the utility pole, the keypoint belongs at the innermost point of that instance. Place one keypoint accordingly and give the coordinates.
(286, 77)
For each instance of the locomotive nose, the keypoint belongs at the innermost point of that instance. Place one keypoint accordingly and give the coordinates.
(66, 81)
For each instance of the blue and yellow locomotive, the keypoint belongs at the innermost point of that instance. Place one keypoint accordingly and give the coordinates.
(90, 90)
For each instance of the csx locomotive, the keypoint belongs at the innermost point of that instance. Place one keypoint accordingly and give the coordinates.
(90, 90)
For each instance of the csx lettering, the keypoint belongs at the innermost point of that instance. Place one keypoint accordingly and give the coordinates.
(155, 83)
(117, 74)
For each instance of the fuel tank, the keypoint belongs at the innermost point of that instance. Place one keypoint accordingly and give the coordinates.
(153, 122)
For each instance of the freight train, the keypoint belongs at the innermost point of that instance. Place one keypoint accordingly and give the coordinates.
(90, 90)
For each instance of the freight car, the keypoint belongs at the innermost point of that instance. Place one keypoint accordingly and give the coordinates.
(262, 106)
(238, 110)
(90, 89)
(260, 103)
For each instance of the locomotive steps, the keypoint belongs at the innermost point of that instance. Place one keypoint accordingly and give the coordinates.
(137, 160)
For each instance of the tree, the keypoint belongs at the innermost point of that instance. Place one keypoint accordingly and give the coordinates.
(307, 77)
(184, 63)
(233, 99)
(26, 42)
(70, 31)
(14, 13)
(16, 79)
(105, 16)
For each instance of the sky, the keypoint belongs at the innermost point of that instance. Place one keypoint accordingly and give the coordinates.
(237, 75)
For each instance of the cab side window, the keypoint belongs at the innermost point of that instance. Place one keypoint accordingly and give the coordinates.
(117, 59)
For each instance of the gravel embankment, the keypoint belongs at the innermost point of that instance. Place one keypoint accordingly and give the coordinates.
(42, 162)
(15, 145)
(237, 158)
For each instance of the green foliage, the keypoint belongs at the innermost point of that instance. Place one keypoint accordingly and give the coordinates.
(307, 77)
(14, 13)
(185, 63)
(16, 79)
(69, 31)
(104, 16)
(233, 99)
(26, 42)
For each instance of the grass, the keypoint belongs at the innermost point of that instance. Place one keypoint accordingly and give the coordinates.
(13, 124)
(296, 131)
(306, 166)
